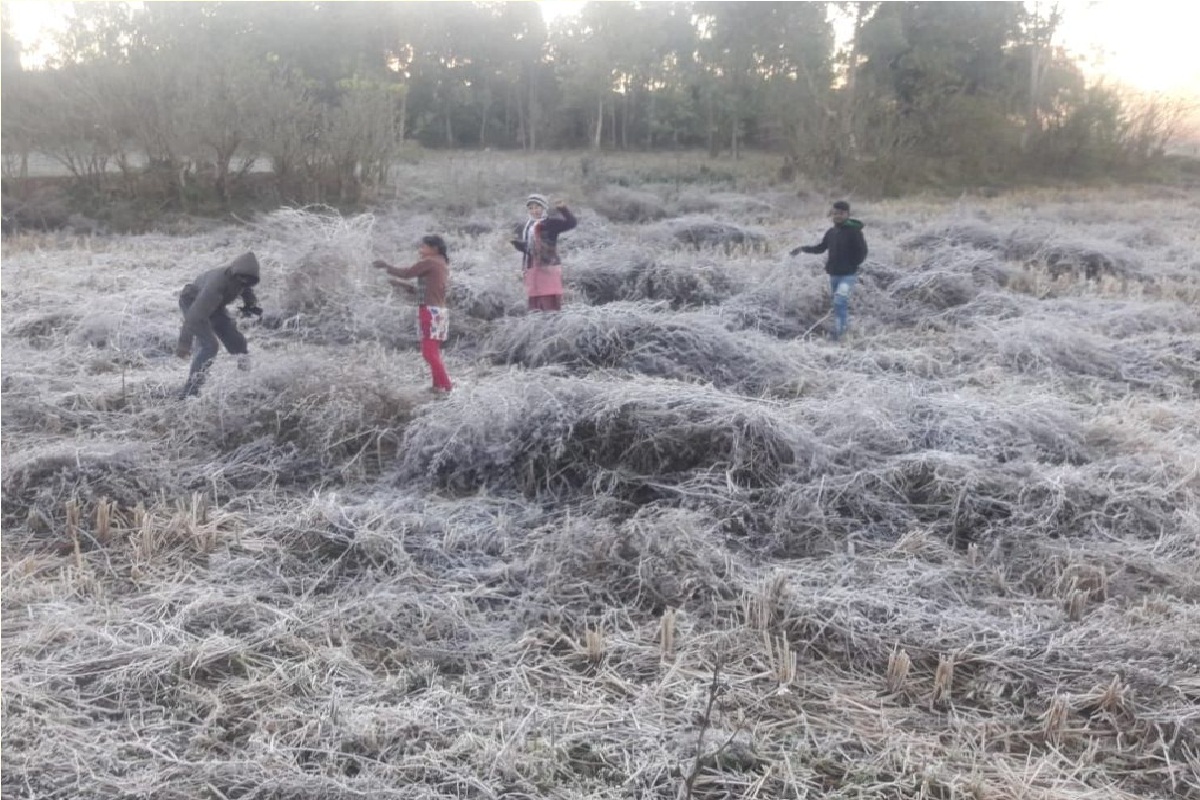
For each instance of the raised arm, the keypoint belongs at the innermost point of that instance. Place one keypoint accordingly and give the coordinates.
(564, 222)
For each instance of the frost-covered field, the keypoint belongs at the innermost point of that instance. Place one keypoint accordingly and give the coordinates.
(668, 543)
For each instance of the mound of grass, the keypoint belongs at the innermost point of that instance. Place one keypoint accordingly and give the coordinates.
(1051, 349)
(786, 302)
(865, 420)
(41, 485)
(1036, 245)
(984, 308)
(347, 414)
(485, 294)
(700, 232)
(44, 329)
(129, 334)
(644, 339)
(973, 233)
(657, 559)
(557, 437)
(620, 274)
(619, 204)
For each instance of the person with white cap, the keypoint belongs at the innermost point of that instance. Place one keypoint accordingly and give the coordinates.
(538, 241)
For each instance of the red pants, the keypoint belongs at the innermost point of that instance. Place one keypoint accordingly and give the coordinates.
(431, 350)
(546, 302)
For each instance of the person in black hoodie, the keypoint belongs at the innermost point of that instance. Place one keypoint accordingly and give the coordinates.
(206, 321)
(847, 250)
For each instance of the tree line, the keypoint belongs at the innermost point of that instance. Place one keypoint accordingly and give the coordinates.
(179, 101)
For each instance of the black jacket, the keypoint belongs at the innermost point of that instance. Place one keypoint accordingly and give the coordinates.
(547, 249)
(215, 289)
(846, 246)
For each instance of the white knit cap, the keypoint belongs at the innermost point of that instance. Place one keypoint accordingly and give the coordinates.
(539, 199)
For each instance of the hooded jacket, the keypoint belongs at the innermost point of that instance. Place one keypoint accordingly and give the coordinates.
(846, 246)
(215, 289)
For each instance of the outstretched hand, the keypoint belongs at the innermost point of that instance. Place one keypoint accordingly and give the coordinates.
(380, 264)
(796, 251)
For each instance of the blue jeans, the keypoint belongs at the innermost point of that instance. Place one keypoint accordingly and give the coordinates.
(840, 287)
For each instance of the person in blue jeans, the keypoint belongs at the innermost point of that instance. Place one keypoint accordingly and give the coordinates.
(847, 249)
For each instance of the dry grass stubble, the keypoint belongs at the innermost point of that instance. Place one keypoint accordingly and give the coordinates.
(959, 559)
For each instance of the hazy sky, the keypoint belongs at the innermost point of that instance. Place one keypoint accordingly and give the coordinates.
(1148, 44)
(1145, 44)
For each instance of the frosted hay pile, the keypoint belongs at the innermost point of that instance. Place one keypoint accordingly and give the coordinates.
(648, 340)
(618, 204)
(786, 302)
(299, 420)
(1038, 245)
(326, 291)
(46, 488)
(621, 273)
(539, 434)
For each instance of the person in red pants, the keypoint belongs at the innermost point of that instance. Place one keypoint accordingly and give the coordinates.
(432, 272)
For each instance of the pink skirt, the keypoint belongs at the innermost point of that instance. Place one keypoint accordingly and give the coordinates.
(542, 281)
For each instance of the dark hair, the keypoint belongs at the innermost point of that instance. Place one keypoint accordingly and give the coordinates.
(841, 205)
(437, 243)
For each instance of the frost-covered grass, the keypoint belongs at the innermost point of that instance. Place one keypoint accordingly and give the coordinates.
(672, 540)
